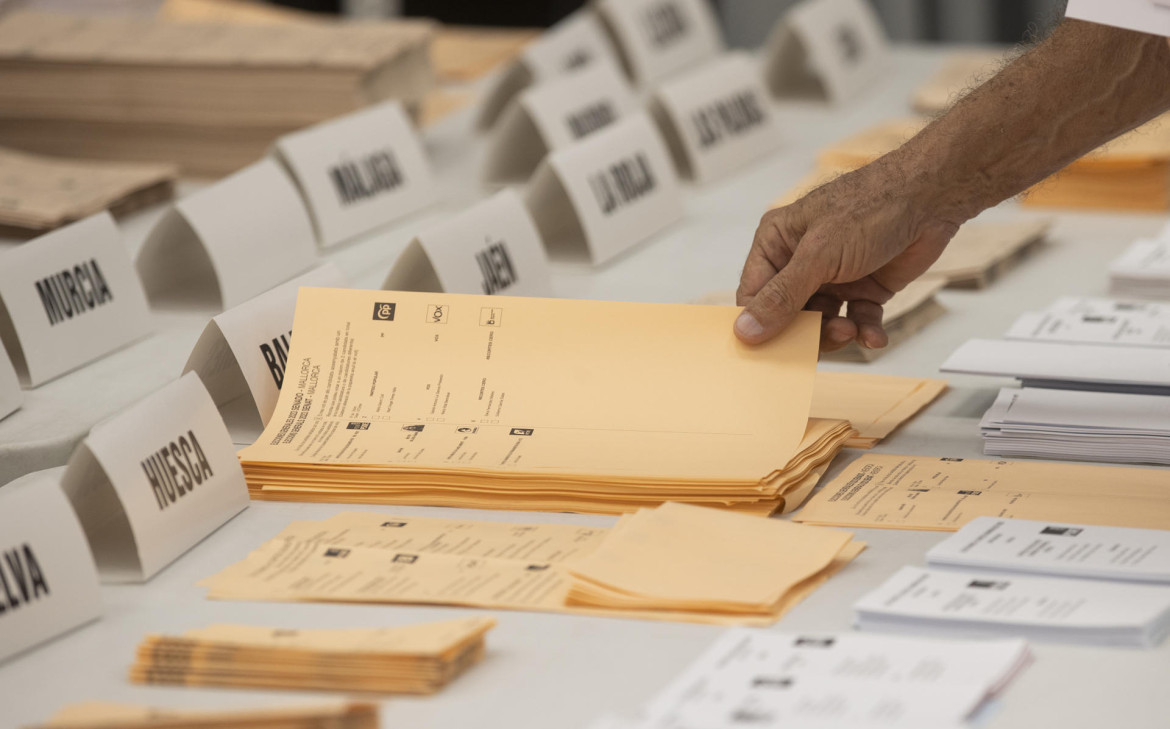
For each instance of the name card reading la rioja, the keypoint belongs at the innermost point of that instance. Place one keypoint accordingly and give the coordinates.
(622, 183)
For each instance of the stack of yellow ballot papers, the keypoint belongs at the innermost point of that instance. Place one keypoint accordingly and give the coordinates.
(943, 494)
(960, 73)
(874, 404)
(677, 562)
(104, 715)
(414, 659)
(540, 404)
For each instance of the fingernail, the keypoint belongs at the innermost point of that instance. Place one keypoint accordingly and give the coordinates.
(747, 326)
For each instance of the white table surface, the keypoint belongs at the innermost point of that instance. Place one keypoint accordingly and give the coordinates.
(546, 670)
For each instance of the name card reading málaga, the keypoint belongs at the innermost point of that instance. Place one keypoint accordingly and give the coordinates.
(48, 583)
(605, 193)
(491, 248)
(659, 38)
(826, 48)
(153, 481)
(229, 242)
(719, 117)
(359, 172)
(69, 298)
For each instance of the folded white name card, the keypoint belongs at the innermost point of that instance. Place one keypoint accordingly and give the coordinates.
(604, 194)
(11, 396)
(242, 355)
(717, 118)
(229, 242)
(69, 297)
(359, 172)
(659, 38)
(826, 49)
(573, 43)
(48, 582)
(151, 482)
(491, 248)
(553, 115)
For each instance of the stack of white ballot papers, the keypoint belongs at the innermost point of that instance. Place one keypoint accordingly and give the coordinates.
(1143, 270)
(1086, 320)
(986, 603)
(768, 679)
(1078, 425)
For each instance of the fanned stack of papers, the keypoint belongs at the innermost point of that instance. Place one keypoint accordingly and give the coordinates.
(960, 73)
(676, 563)
(924, 601)
(211, 97)
(105, 715)
(874, 404)
(982, 252)
(541, 404)
(415, 659)
(768, 679)
(1078, 425)
(943, 494)
(1143, 270)
(907, 313)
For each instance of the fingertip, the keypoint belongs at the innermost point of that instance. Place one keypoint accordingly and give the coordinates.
(748, 328)
(873, 337)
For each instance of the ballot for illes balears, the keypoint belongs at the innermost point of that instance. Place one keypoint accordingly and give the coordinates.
(660, 38)
(359, 172)
(152, 481)
(48, 582)
(68, 298)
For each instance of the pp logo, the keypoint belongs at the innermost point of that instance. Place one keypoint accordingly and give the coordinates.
(336, 552)
(357, 426)
(521, 431)
(383, 312)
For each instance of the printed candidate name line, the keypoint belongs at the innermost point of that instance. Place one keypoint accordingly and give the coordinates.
(73, 292)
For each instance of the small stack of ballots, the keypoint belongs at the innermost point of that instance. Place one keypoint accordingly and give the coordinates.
(1143, 271)
(413, 659)
(673, 562)
(106, 715)
(874, 404)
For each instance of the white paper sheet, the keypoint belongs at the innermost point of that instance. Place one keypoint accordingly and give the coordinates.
(1088, 365)
(1143, 16)
(1115, 329)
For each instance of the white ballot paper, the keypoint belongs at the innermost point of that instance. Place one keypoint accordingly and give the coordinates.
(242, 354)
(1116, 329)
(48, 583)
(68, 298)
(359, 172)
(1144, 16)
(927, 601)
(491, 248)
(1143, 270)
(1100, 306)
(1047, 548)
(573, 43)
(11, 396)
(717, 118)
(607, 192)
(555, 114)
(659, 38)
(826, 49)
(775, 679)
(229, 242)
(154, 480)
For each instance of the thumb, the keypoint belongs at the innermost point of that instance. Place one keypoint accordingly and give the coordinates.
(775, 305)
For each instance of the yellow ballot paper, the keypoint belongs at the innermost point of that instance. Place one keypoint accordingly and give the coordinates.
(107, 715)
(874, 404)
(943, 494)
(444, 399)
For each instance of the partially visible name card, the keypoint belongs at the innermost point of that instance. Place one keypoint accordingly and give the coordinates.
(229, 242)
(606, 193)
(492, 248)
(826, 49)
(359, 172)
(48, 583)
(719, 117)
(659, 38)
(153, 481)
(573, 43)
(69, 297)
(553, 116)
(242, 355)
(11, 396)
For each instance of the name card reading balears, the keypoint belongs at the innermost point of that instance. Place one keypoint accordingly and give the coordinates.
(659, 38)
(69, 297)
(605, 193)
(48, 583)
(151, 482)
(229, 242)
(359, 172)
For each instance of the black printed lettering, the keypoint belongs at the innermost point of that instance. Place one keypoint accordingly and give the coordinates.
(73, 292)
(728, 117)
(664, 24)
(21, 578)
(174, 470)
(185, 482)
(495, 267)
(275, 355)
(155, 481)
(368, 177)
(622, 183)
(591, 118)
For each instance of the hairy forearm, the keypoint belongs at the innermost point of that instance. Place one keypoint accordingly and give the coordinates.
(1081, 87)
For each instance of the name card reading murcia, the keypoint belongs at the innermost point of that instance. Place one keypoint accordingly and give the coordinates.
(229, 242)
(717, 118)
(242, 354)
(151, 482)
(571, 44)
(11, 396)
(604, 194)
(553, 116)
(69, 297)
(359, 172)
(48, 583)
(659, 38)
(828, 49)
(491, 248)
